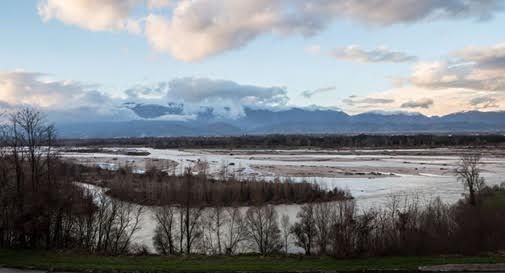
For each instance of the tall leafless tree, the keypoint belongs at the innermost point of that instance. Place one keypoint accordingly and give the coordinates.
(164, 239)
(236, 230)
(286, 232)
(305, 230)
(323, 225)
(468, 172)
(263, 229)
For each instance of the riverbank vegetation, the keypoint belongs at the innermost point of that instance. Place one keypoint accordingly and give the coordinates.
(159, 188)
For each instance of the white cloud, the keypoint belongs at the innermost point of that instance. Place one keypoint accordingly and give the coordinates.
(379, 55)
(61, 100)
(472, 68)
(35, 89)
(94, 15)
(227, 98)
(198, 29)
(193, 30)
(445, 101)
(202, 28)
(469, 79)
(70, 100)
(201, 90)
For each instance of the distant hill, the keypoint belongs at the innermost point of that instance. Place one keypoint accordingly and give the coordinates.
(150, 122)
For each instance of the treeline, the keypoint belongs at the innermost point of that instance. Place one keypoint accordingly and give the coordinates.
(40, 205)
(158, 188)
(339, 229)
(299, 141)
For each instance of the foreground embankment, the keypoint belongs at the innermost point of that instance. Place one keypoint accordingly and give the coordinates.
(78, 262)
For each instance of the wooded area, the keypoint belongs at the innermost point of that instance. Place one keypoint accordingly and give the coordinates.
(300, 141)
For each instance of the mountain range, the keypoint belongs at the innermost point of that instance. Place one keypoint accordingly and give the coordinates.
(150, 122)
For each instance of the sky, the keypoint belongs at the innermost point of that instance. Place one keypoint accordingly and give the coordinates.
(87, 58)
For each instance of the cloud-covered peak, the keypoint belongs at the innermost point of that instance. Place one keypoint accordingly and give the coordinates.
(227, 98)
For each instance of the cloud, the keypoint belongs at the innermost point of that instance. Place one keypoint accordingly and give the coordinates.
(65, 100)
(61, 100)
(366, 101)
(484, 102)
(388, 12)
(202, 28)
(470, 78)
(153, 91)
(94, 15)
(36, 89)
(194, 30)
(445, 100)
(200, 90)
(198, 29)
(420, 103)
(471, 68)
(227, 98)
(309, 93)
(379, 55)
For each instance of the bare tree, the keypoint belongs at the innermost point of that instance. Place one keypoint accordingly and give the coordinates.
(263, 229)
(31, 132)
(305, 230)
(127, 224)
(190, 214)
(343, 228)
(164, 238)
(286, 232)
(116, 223)
(236, 230)
(192, 227)
(468, 172)
(218, 220)
(323, 225)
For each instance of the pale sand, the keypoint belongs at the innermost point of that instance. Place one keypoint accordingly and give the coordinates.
(346, 172)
